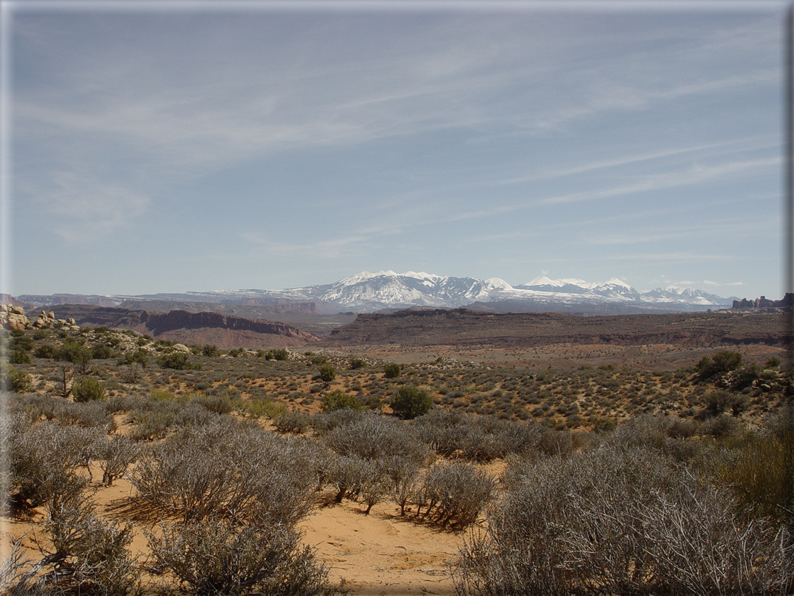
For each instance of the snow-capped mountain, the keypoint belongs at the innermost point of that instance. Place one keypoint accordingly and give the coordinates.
(387, 289)
(612, 289)
(688, 295)
(367, 292)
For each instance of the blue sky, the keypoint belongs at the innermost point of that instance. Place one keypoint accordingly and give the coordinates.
(261, 146)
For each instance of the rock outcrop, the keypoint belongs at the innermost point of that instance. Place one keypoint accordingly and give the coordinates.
(764, 304)
(14, 317)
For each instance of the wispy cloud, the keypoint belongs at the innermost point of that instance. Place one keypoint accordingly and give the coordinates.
(693, 175)
(82, 209)
(722, 284)
(332, 248)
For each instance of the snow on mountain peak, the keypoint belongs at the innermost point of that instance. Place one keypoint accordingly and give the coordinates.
(617, 282)
(498, 283)
(366, 292)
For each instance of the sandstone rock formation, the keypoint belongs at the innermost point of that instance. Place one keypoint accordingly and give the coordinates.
(14, 317)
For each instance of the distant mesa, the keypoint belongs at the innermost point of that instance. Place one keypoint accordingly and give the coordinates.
(763, 304)
(180, 326)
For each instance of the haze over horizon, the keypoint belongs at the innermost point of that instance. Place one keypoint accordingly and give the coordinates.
(205, 147)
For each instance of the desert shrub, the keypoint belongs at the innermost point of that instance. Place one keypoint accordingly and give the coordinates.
(719, 363)
(45, 351)
(154, 421)
(139, 357)
(43, 462)
(391, 371)
(453, 494)
(115, 456)
(620, 521)
(477, 438)
(327, 373)
(210, 350)
(119, 404)
(337, 400)
(12, 569)
(372, 437)
(217, 404)
(357, 363)
(720, 426)
(177, 361)
(603, 424)
(92, 414)
(217, 556)
(72, 351)
(400, 475)
(773, 362)
(660, 432)
(347, 474)
(746, 376)
(325, 422)
(228, 470)
(410, 402)
(90, 555)
(19, 357)
(264, 407)
(763, 475)
(23, 342)
(102, 352)
(280, 354)
(237, 352)
(292, 422)
(193, 414)
(15, 380)
(88, 389)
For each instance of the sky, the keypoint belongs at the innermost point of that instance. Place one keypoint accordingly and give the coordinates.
(160, 147)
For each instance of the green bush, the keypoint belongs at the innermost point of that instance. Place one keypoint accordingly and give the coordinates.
(336, 400)
(357, 363)
(721, 362)
(280, 354)
(177, 361)
(391, 371)
(327, 373)
(23, 343)
(88, 389)
(14, 379)
(102, 352)
(73, 351)
(773, 362)
(19, 357)
(763, 475)
(210, 350)
(410, 402)
(45, 351)
(138, 357)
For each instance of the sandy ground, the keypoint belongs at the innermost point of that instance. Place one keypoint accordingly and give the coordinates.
(381, 553)
(376, 554)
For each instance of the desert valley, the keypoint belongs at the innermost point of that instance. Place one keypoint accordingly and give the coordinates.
(157, 446)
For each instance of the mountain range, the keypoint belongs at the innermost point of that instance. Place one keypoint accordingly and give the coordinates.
(387, 290)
